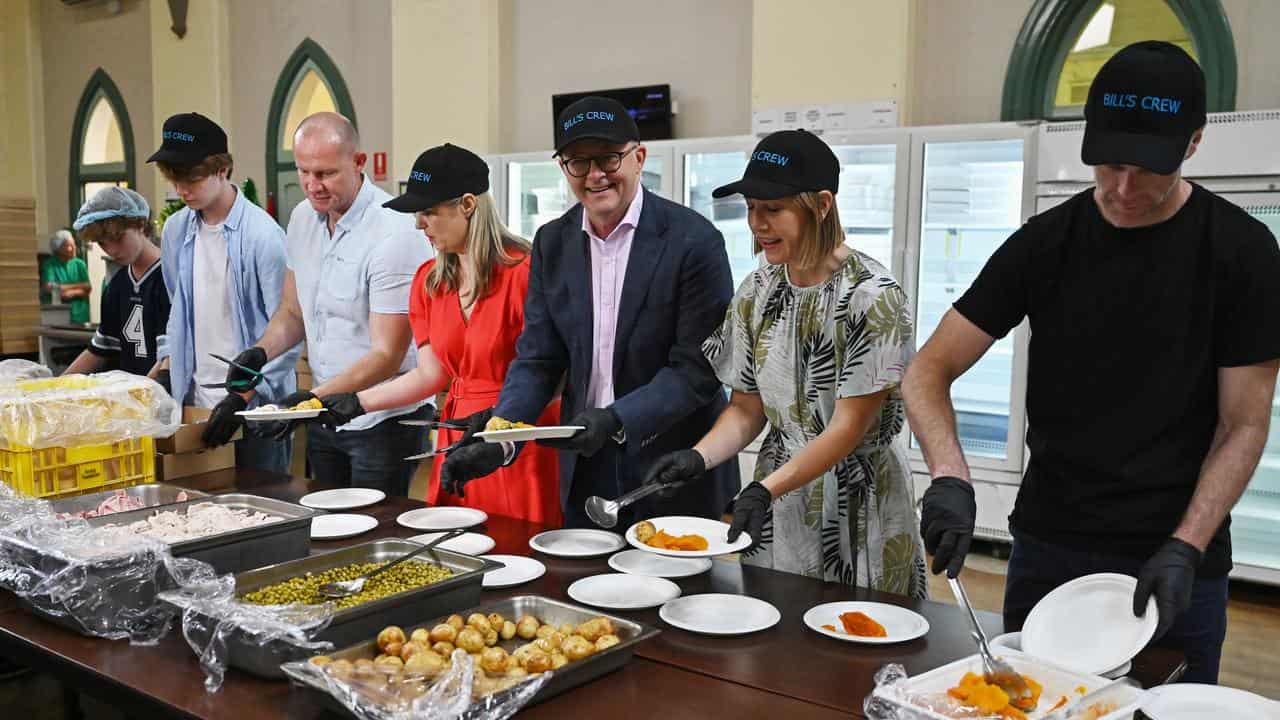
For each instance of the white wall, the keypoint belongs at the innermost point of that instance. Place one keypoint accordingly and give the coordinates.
(264, 33)
(701, 48)
(1253, 26)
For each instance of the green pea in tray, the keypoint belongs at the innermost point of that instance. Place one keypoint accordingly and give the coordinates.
(357, 623)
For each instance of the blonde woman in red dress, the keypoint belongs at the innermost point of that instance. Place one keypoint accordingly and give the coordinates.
(466, 308)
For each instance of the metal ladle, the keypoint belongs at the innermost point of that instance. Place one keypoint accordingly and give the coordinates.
(346, 588)
(605, 512)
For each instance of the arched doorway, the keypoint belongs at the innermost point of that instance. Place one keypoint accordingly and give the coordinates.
(1063, 43)
(309, 83)
(101, 143)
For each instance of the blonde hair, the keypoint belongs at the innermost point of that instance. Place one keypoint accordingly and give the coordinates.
(489, 243)
(822, 235)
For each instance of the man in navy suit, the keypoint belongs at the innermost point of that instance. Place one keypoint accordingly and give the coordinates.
(623, 289)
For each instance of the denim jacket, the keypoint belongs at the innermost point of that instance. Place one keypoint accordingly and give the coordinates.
(256, 271)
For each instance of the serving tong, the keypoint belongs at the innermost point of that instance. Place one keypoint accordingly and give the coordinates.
(994, 670)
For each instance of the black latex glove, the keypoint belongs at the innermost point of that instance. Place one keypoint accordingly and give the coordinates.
(240, 381)
(946, 523)
(675, 469)
(223, 421)
(340, 409)
(601, 425)
(296, 398)
(468, 462)
(750, 509)
(1169, 575)
(165, 379)
(475, 423)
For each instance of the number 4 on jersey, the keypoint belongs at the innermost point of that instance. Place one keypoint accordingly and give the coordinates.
(133, 332)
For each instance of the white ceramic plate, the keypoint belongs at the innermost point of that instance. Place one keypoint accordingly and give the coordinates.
(619, 591)
(1193, 701)
(1088, 624)
(713, 530)
(639, 562)
(719, 614)
(266, 415)
(342, 498)
(1013, 641)
(900, 624)
(577, 543)
(442, 518)
(545, 432)
(466, 543)
(518, 570)
(341, 525)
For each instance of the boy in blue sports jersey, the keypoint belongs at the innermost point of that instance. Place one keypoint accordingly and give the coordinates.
(135, 303)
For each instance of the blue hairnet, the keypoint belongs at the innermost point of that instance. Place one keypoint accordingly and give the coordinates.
(111, 202)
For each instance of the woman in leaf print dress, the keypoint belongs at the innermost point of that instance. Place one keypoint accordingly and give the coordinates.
(816, 345)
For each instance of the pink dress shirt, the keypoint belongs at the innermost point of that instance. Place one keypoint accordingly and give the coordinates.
(608, 271)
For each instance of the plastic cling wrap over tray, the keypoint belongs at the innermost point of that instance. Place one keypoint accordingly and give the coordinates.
(457, 692)
(76, 410)
(13, 370)
(79, 577)
(211, 613)
(935, 695)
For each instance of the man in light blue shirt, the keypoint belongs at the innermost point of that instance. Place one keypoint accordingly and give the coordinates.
(346, 292)
(224, 267)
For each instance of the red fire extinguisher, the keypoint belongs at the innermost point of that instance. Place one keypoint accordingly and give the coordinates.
(271, 205)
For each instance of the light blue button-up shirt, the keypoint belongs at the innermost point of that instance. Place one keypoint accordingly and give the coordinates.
(366, 266)
(255, 271)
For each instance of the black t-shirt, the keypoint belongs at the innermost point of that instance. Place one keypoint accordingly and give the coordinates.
(1128, 330)
(134, 316)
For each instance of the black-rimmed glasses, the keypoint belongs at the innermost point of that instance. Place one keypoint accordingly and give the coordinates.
(607, 162)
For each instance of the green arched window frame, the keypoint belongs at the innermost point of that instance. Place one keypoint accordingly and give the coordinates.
(309, 55)
(1052, 25)
(100, 85)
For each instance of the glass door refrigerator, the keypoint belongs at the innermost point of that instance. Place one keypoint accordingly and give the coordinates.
(1255, 520)
(971, 188)
(537, 192)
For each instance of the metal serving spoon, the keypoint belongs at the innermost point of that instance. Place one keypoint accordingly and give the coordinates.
(605, 512)
(347, 588)
(996, 671)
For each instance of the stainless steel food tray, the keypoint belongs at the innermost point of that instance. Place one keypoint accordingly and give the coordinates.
(288, 538)
(274, 542)
(152, 495)
(360, 622)
(547, 610)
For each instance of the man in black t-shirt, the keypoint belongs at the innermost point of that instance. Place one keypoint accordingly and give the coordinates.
(1155, 332)
(135, 304)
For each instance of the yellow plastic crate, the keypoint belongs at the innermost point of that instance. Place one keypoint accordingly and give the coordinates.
(58, 472)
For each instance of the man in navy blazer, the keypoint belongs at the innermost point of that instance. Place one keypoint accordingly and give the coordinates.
(623, 289)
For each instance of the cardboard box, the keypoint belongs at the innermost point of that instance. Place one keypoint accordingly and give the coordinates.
(187, 438)
(170, 467)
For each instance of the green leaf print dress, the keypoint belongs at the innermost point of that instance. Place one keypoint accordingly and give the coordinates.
(800, 349)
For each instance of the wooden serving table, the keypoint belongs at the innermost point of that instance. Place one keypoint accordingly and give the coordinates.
(785, 671)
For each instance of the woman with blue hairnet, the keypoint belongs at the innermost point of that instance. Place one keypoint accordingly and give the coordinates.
(135, 304)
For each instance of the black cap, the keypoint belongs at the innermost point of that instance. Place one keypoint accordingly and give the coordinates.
(188, 139)
(442, 173)
(597, 118)
(786, 163)
(1144, 105)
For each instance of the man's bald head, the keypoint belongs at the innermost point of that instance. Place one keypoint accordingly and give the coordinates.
(326, 151)
(328, 127)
